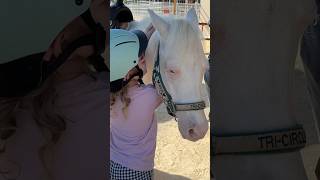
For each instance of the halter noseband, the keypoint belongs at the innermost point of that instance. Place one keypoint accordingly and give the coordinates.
(172, 107)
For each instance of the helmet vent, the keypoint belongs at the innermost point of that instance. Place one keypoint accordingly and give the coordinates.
(124, 43)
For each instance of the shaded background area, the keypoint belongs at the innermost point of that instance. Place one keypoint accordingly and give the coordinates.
(303, 111)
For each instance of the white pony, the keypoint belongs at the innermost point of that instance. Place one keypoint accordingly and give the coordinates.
(183, 63)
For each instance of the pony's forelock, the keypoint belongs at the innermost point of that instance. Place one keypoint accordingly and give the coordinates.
(186, 38)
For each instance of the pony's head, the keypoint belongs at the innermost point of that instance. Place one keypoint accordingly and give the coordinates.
(183, 63)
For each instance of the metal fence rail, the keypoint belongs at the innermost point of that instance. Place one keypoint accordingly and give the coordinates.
(139, 7)
(139, 10)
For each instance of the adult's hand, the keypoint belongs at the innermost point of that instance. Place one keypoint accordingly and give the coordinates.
(132, 72)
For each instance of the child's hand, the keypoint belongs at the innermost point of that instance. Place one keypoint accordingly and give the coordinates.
(132, 72)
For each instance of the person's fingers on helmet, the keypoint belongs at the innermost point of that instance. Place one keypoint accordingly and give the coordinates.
(131, 73)
(64, 43)
(57, 49)
(141, 58)
(50, 51)
(83, 52)
(48, 55)
(126, 77)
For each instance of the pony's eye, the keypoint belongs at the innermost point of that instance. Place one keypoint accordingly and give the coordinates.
(173, 73)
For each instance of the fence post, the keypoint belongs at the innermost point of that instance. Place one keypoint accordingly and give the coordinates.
(174, 6)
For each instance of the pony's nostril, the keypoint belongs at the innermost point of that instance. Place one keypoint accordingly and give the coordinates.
(191, 132)
(193, 136)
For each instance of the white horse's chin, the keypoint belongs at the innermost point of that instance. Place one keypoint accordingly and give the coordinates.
(193, 126)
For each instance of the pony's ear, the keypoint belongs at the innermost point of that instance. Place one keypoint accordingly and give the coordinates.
(160, 24)
(192, 17)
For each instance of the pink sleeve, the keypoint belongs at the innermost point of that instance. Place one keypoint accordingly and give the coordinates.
(156, 99)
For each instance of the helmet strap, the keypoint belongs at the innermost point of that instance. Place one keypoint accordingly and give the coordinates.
(140, 74)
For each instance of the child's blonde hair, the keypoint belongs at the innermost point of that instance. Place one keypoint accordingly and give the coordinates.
(121, 95)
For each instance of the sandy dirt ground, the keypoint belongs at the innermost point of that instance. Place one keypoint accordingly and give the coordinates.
(177, 158)
(180, 159)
